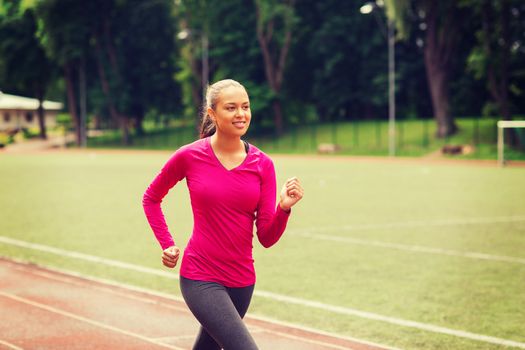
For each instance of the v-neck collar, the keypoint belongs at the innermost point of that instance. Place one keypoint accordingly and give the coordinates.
(213, 155)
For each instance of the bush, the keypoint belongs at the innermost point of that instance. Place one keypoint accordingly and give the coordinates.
(5, 139)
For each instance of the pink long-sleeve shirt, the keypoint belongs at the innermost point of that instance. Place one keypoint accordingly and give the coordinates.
(225, 204)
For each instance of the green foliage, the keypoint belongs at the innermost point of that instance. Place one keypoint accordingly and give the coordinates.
(10, 8)
(399, 12)
(233, 52)
(64, 120)
(65, 28)
(477, 63)
(337, 63)
(5, 139)
(281, 13)
(498, 52)
(145, 42)
(490, 109)
(24, 66)
(326, 50)
(127, 45)
(193, 19)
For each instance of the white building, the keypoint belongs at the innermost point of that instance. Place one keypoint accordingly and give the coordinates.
(17, 112)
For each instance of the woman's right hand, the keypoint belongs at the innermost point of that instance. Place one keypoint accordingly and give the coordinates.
(170, 256)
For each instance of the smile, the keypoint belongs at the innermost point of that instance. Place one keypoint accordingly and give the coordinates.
(239, 124)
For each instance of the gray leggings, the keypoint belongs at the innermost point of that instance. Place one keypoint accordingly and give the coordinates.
(220, 311)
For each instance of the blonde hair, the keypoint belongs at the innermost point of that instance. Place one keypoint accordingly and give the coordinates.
(212, 97)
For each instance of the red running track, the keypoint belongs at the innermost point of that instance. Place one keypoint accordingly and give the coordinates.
(42, 308)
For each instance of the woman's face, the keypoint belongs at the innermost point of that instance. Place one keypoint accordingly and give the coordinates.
(232, 113)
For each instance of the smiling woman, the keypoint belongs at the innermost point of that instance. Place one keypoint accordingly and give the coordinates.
(228, 113)
(232, 185)
(227, 105)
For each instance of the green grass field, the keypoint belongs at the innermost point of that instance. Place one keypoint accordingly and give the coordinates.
(439, 244)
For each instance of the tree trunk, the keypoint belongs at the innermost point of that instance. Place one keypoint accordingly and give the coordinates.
(105, 84)
(118, 118)
(112, 54)
(124, 127)
(139, 118)
(196, 84)
(278, 116)
(438, 85)
(274, 62)
(71, 100)
(499, 81)
(41, 116)
(437, 53)
(196, 89)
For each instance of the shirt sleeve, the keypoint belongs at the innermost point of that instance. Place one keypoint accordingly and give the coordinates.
(270, 220)
(171, 173)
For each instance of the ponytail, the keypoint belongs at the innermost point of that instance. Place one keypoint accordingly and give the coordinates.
(207, 125)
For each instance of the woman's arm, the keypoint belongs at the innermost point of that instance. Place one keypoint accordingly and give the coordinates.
(172, 172)
(271, 220)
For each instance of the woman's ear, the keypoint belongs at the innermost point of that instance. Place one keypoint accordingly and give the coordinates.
(211, 113)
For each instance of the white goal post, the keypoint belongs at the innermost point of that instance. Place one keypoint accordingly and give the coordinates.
(502, 124)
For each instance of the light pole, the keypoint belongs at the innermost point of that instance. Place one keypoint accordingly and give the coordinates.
(390, 36)
(183, 35)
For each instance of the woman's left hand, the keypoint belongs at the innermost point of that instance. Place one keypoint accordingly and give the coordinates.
(291, 193)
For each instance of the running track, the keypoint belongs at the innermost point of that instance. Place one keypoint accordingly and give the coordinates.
(46, 309)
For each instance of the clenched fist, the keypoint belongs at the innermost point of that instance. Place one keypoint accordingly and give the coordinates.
(170, 256)
(291, 193)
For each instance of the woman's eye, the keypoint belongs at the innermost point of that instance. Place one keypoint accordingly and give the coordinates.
(246, 108)
(230, 109)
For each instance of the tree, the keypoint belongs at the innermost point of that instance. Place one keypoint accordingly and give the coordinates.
(128, 45)
(338, 62)
(275, 22)
(440, 20)
(193, 20)
(135, 50)
(25, 66)
(440, 44)
(498, 55)
(150, 54)
(233, 53)
(64, 33)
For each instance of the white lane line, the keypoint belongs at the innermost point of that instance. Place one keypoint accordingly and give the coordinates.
(309, 341)
(9, 345)
(317, 331)
(252, 329)
(409, 224)
(86, 320)
(87, 257)
(9, 261)
(175, 338)
(392, 320)
(291, 300)
(104, 289)
(258, 330)
(414, 248)
(179, 299)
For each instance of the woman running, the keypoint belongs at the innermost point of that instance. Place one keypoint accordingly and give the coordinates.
(232, 184)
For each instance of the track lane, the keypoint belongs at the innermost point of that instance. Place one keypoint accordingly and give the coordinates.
(48, 309)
